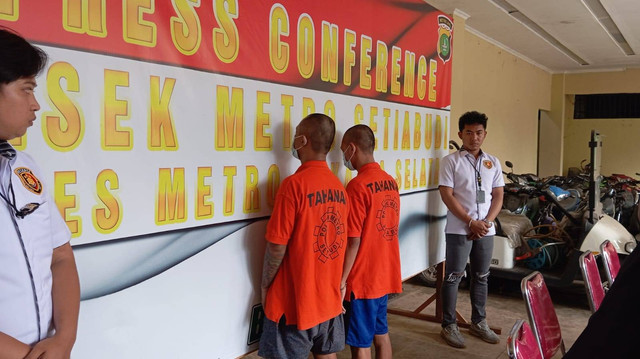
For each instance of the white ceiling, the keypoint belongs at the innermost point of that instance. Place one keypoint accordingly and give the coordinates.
(570, 22)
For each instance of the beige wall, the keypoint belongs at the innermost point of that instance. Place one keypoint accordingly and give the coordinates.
(508, 89)
(621, 137)
(552, 132)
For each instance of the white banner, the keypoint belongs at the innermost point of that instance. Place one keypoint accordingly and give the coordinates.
(163, 148)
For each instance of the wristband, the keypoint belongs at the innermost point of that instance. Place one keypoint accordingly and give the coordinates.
(471, 220)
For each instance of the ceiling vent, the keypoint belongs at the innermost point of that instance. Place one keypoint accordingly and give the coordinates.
(600, 13)
(538, 30)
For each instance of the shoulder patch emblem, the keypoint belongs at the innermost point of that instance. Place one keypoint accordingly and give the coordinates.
(28, 179)
(488, 164)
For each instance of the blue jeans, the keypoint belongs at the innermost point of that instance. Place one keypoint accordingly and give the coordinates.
(479, 251)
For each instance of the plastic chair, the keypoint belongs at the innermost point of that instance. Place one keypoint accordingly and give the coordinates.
(592, 282)
(522, 343)
(610, 260)
(542, 315)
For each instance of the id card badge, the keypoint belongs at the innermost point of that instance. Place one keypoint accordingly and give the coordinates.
(480, 196)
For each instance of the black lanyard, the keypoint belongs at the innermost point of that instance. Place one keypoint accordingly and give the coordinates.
(475, 168)
(24, 211)
(28, 209)
(10, 202)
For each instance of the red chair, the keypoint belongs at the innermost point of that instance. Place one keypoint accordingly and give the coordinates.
(522, 343)
(592, 283)
(611, 260)
(542, 315)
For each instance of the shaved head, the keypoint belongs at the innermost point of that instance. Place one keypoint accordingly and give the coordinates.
(362, 137)
(319, 129)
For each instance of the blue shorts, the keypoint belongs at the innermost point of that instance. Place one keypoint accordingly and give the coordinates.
(364, 319)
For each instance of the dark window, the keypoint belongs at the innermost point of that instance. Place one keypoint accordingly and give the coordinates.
(616, 105)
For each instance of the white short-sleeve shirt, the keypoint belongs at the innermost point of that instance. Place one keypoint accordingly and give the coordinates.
(459, 170)
(41, 232)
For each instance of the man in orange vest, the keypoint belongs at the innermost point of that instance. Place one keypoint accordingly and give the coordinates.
(372, 260)
(306, 239)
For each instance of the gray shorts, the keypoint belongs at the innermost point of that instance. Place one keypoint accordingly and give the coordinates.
(279, 340)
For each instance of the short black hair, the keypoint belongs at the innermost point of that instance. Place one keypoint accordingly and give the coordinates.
(18, 58)
(320, 130)
(472, 118)
(362, 136)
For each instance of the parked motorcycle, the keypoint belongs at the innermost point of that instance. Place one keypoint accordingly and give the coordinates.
(555, 216)
(622, 191)
(568, 219)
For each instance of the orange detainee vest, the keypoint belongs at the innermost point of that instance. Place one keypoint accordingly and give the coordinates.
(374, 217)
(310, 217)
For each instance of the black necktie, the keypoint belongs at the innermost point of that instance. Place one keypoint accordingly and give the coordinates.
(7, 151)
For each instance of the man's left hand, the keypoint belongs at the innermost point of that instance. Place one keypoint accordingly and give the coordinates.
(51, 348)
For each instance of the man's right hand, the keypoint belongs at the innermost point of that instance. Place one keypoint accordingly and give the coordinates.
(478, 229)
(51, 348)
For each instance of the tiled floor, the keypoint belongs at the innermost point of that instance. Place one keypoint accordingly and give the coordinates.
(414, 338)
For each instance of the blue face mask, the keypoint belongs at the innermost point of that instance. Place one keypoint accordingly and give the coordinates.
(294, 151)
(347, 162)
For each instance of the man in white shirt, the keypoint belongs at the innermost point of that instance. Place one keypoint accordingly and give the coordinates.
(471, 186)
(39, 287)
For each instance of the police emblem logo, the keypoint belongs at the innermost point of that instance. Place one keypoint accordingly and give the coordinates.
(445, 26)
(488, 164)
(329, 235)
(29, 180)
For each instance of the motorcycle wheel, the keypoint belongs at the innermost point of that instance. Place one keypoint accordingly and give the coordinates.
(429, 276)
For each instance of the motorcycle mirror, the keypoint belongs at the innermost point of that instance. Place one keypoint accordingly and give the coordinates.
(509, 164)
